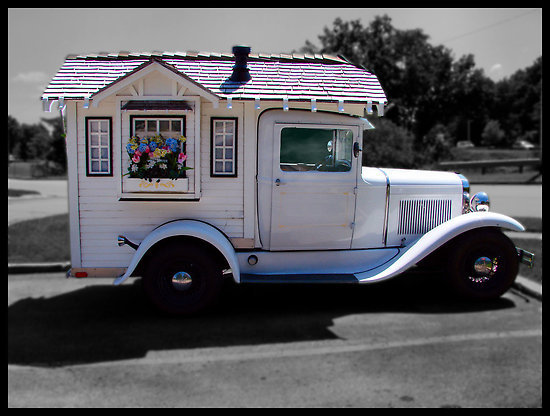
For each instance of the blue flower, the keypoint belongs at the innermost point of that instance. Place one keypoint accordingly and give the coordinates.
(153, 146)
(173, 144)
(142, 147)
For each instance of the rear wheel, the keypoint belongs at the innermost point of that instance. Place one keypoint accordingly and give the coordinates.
(482, 264)
(182, 279)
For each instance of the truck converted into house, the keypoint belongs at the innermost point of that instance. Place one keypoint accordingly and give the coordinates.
(188, 168)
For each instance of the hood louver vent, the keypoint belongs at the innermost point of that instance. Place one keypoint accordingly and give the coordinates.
(420, 216)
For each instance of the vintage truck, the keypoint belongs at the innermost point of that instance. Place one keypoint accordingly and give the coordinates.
(189, 168)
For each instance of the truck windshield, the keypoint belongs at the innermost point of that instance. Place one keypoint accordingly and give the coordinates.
(311, 149)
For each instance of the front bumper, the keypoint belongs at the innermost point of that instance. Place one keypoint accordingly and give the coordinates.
(526, 257)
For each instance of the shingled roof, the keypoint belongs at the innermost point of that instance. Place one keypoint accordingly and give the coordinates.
(274, 76)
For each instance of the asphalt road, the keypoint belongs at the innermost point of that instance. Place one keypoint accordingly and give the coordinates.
(403, 343)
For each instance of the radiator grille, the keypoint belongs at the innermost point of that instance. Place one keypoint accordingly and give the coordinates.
(421, 215)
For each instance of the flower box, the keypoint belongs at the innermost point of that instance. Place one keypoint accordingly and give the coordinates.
(156, 165)
(162, 185)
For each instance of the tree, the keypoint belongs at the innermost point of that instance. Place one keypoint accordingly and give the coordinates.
(414, 73)
(388, 145)
(492, 134)
(57, 152)
(14, 134)
(35, 142)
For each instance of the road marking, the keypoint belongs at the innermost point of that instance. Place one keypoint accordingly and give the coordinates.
(296, 349)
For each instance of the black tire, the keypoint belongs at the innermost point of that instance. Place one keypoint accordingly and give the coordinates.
(182, 279)
(482, 264)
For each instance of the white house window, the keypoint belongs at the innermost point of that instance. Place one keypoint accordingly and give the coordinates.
(157, 147)
(224, 147)
(99, 161)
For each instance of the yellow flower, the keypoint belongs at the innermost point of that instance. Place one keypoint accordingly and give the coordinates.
(162, 152)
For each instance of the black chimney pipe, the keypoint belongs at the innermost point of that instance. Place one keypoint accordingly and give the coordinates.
(240, 70)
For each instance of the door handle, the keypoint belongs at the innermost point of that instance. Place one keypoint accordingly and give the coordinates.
(278, 182)
(356, 149)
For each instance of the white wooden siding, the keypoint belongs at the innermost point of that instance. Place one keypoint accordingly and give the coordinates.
(102, 216)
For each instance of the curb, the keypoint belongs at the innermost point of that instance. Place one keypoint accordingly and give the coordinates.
(521, 284)
(17, 268)
(528, 287)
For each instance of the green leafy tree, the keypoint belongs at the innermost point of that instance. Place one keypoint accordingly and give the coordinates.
(492, 134)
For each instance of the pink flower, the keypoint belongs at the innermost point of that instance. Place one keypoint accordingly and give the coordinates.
(182, 157)
(138, 153)
(135, 158)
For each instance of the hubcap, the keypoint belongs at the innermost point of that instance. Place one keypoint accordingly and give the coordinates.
(484, 269)
(181, 281)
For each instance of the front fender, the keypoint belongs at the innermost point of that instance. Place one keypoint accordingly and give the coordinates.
(188, 228)
(434, 239)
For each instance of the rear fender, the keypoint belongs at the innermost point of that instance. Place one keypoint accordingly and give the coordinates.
(187, 228)
(436, 238)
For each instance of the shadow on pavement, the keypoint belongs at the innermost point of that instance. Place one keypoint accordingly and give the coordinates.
(105, 323)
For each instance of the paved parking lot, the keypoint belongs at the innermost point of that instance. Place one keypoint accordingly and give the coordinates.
(397, 344)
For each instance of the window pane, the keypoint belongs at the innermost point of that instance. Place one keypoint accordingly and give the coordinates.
(95, 166)
(229, 140)
(139, 126)
(94, 127)
(218, 140)
(218, 167)
(229, 127)
(218, 127)
(176, 126)
(229, 153)
(94, 153)
(104, 167)
(164, 125)
(152, 126)
(228, 167)
(219, 153)
(104, 126)
(104, 140)
(306, 149)
(94, 140)
(104, 153)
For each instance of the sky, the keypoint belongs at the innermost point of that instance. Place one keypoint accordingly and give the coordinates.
(501, 40)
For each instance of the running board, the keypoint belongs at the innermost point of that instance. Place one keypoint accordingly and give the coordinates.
(298, 278)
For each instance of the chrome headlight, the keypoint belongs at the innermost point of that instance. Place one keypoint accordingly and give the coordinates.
(480, 202)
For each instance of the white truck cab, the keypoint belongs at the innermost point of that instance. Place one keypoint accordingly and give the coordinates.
(265, 186)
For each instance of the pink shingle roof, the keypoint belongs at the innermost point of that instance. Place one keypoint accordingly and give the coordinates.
(292, 76)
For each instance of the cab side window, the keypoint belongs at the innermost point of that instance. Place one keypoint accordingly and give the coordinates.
(311, 149)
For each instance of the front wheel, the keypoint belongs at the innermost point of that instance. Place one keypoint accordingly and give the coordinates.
(482, 264)
(182, 279)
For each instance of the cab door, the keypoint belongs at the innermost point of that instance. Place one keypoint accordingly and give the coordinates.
(314, 176)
